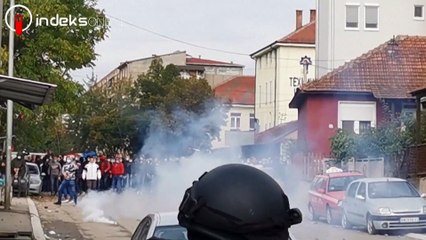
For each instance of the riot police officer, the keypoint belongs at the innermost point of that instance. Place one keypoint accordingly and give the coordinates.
(237, 202)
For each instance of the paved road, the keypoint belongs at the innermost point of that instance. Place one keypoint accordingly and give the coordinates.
(66, 222)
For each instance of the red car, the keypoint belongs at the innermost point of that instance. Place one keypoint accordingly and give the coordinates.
(325, 194)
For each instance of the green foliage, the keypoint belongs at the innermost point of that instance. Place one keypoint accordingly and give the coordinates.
(47, 54)
(389, 140)
(159, 105)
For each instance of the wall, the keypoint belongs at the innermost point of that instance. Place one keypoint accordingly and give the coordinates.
(138, 67)
(280, 68)
(245, 132)
(215, 76)
(396, 17)
(319, 120)
(290, 77)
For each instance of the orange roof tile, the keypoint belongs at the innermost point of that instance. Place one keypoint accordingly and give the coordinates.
(303, 35)
(388, 71)
(239, 90)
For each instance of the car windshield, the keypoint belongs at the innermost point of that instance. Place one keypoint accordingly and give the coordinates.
(340, 183)
(391, 190)
(171, 233)
(33, 169)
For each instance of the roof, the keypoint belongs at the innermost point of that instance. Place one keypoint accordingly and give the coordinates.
(303, 35)
(277, 133)
(207, 62)
(382, 179)
(239, 90)
(390, 71)
(343, 174)
(419, 92)
(26, 92)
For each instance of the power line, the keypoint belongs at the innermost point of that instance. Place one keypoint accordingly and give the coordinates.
(176, 40)
(204, 47)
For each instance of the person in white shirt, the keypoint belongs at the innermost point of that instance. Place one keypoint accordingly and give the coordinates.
(92, 174)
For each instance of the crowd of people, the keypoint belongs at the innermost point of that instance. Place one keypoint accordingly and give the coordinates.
(70, 176)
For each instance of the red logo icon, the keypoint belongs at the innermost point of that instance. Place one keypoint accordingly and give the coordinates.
(18, 23)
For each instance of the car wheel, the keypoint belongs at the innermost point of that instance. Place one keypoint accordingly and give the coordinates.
(345, 222)
(370, 226)
(329, 216)
(312, 215)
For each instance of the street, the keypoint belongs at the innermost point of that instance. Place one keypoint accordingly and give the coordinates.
(66, 222)
(111, 216)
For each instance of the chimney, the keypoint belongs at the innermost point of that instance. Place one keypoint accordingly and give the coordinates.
(313, 15)
(299, 19)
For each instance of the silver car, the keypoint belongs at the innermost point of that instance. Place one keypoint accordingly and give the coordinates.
(165, 226)
(35, 178)
(383, 204)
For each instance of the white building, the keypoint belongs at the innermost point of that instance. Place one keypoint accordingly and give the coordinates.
(279, 73)
(347, 29)
(240, 123)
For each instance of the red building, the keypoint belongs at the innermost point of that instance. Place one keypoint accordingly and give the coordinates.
(353, 96)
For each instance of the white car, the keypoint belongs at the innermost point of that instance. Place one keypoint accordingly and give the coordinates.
(35, 178)
(163, 225)
(383, 204)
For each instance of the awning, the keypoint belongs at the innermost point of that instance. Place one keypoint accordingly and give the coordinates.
(28, 93)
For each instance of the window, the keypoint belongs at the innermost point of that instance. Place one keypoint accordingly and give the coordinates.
(371, 17)
(418, 12)
(338, 184)
(319, 184)
(252, 121)
(352, 189)
(266, 96)
(352, 16)
(270, 95)
(364, 126)
(260, 96)
(141, 231)
(348, 126)
(362, 190)
(392, 189)
(235, 121)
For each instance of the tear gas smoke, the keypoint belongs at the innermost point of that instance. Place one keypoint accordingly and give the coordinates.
(174, 177)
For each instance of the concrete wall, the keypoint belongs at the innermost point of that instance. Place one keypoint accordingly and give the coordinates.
(336, 44)
(218, 75)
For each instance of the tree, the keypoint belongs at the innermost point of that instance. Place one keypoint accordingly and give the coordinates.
(48, 54)
(183, 113)
(390, 140)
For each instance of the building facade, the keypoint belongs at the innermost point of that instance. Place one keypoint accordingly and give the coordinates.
(215, 72)
(240, 123)
(356, 96)
(348, 28)
(279, 73)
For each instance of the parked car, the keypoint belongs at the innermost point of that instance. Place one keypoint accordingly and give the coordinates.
(163, 225)
(383, 204)
(325, 194)
(35, 178)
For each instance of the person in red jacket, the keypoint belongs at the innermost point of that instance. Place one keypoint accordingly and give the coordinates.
(105, 173)
(117, 171)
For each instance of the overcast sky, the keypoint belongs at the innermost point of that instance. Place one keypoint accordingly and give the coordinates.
(242, 26)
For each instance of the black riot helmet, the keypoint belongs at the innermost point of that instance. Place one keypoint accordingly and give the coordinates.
(236, 201)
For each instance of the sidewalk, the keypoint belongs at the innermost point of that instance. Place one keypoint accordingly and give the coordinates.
(22, 221)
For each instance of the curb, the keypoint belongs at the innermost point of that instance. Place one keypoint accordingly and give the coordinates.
(416, 236)
(38, 232)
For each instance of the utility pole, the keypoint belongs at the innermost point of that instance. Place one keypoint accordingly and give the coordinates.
(305, 61)
(1, 27)
(8, 190)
